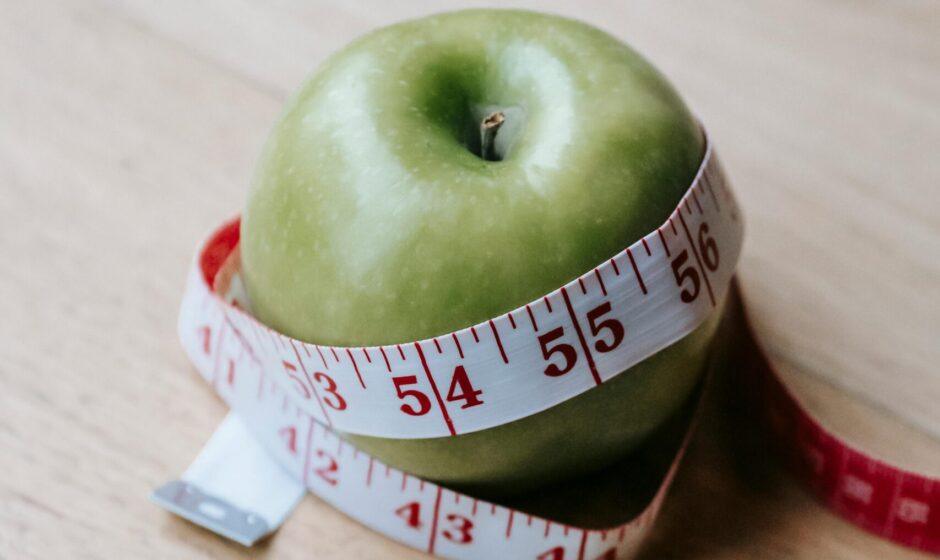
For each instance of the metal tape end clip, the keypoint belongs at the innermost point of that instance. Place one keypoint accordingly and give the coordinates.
(191, 503)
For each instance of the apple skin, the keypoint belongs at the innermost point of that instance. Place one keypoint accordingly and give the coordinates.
(371, 220)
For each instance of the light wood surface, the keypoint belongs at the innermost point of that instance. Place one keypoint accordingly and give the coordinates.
(128, 129)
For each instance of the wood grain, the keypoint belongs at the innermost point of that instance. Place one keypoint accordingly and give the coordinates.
(128, 129)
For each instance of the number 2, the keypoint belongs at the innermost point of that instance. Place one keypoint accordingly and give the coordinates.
(328, 471)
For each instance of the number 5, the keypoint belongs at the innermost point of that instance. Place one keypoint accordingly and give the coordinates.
(567, 351)
(613, 325)
(424, 403)
(689, 273)
(291, 371)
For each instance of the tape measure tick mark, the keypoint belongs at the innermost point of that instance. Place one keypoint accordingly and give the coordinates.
(437, 394)
(388, 366)
(437, 507)
(662, 238)
(499, 343)
(307, 450)
(246, 346)
(535, 326)
(636, 271)
(322, 359)
(581, 339)
(313, 385)
(457, 344)
(356, 368)
(697, 203)
(584, 535)
(613, 263)
(509, 524)
(708, 185)
(600, 281)
(698, 259)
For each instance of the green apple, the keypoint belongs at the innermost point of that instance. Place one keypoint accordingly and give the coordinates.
(442, 171)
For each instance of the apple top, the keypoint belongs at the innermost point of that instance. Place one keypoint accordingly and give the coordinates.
(379, 214)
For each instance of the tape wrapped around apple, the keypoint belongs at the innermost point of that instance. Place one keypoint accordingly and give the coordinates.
(442, 171)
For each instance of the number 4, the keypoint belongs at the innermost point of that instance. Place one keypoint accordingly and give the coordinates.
(557, 553)
(460, 390)
(411, 513)
(467, 393)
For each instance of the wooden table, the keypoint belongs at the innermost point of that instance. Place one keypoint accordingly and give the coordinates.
(128, 129)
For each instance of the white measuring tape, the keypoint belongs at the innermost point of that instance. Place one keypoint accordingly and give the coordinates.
(287, 396)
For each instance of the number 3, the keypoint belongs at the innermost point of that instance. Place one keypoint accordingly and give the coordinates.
(337, 402)
(460, 529)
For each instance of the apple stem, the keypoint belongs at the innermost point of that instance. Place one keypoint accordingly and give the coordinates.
(488, 129)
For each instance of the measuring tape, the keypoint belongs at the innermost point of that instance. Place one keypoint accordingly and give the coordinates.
(289, 398)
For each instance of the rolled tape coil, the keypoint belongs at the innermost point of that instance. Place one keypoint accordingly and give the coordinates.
(287, 398)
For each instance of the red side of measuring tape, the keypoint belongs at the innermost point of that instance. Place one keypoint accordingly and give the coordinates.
(218, 248)
(894, 503)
